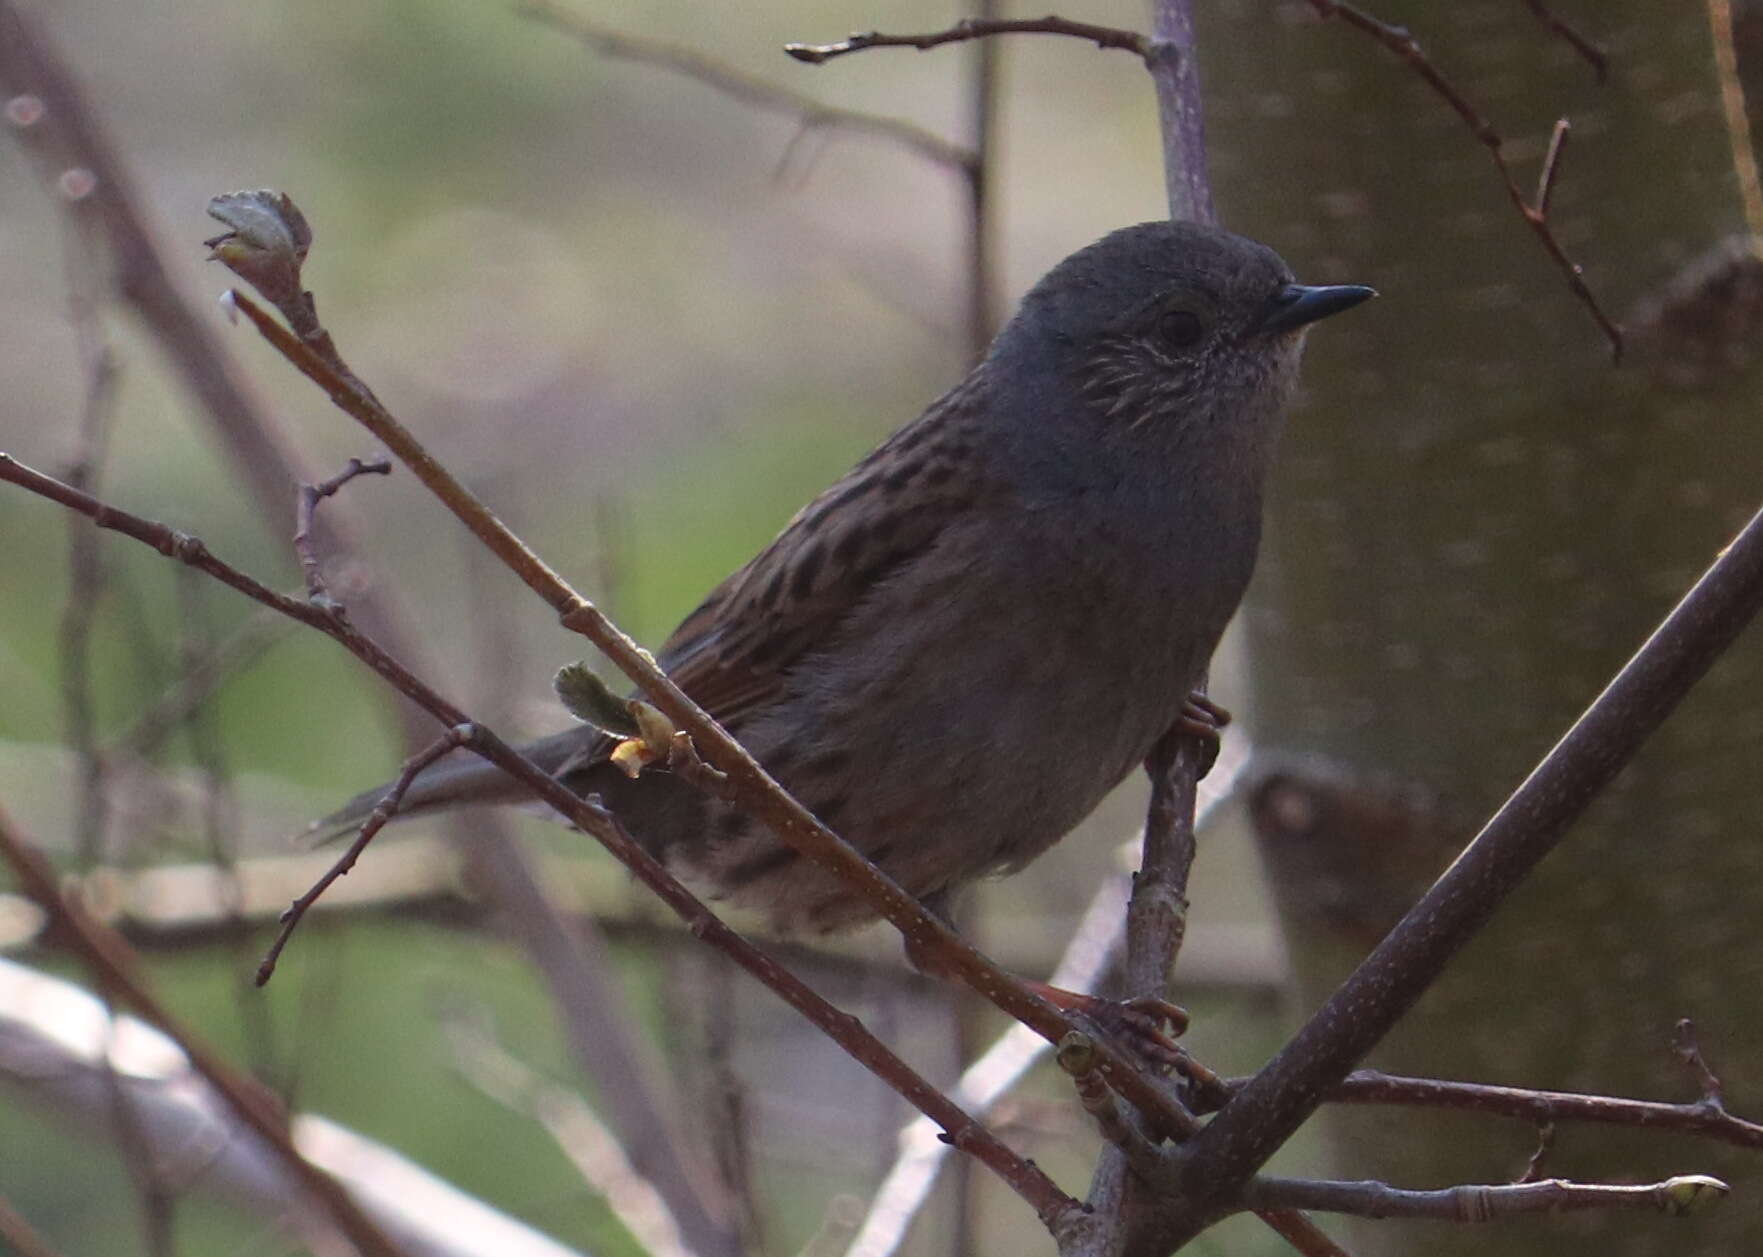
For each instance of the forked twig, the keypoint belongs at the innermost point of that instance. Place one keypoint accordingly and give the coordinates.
(1404, 45)
(459, 735)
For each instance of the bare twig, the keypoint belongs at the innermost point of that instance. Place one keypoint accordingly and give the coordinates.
(311, 350)
(1594, 56)
(456, 737)
(310, 496)
(1055, 1208)
(747, 88)
(1399, 41)
(1530, 824)
(200, 678)
(1688, 1051)
(1533, 1168)
(111, 961)
(978, 28)
(1370, 1086)
(1687, 1193)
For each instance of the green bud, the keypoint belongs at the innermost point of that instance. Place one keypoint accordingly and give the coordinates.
(589, 700)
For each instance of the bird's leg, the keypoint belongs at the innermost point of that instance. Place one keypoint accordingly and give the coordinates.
(1204, 720)
(1137, 1025)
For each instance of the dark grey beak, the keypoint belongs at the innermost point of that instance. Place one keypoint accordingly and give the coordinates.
(1298, 304)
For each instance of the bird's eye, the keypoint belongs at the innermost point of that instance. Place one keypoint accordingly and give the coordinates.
(1180, 329)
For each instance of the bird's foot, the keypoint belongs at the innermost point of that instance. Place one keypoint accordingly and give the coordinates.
(1203, 720)
(1135, 1024)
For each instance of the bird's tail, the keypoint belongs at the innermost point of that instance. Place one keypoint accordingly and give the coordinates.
(462, 779)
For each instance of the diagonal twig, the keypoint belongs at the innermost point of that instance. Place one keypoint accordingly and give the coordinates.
(1593, 55)
(1404, 45)
(456, 737)
(111, 960)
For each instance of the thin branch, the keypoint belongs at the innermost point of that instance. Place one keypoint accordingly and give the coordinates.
(1052, 1205)
(1533, 1168)
(1675, 1197)
(200, 679)
(383, 811)
(749, 89)
(978, 28)
(1399, 41)
(1296, 1229)
(310, 496)
(1688, 1051)
(1594, 55)
(1370, 1086)
(17, 1234)
(310, 349)
(1525, 829)
(114, 965)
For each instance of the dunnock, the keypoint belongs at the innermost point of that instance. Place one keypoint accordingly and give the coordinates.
(952, 654)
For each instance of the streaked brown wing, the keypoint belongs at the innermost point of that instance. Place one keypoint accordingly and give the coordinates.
(732, 654)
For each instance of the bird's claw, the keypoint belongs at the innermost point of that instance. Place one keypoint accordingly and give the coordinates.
(1138, 1026)
(1203, 720)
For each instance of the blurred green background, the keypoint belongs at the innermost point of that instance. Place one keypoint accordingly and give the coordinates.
(646, 323)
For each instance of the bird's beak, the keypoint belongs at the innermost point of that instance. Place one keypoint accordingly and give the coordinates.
(1298, 304)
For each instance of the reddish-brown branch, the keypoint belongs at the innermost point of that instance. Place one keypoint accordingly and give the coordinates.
(978, 28)
(384, 810)
(113, 963)
(1053, 1206)
(17, 1233)
(1401, 42)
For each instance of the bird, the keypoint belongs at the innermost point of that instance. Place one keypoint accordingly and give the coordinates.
(954, 652)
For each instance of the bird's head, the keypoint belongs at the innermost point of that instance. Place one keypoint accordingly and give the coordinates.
(1167, 331)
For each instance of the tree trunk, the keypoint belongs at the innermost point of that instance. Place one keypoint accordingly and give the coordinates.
(1476, 519)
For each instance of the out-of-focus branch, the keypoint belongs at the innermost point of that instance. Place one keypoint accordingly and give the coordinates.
(20, 1236)
(1053, 1206)
(749, 89)
(575, 1128)
(113, 964)
(58, 1044)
